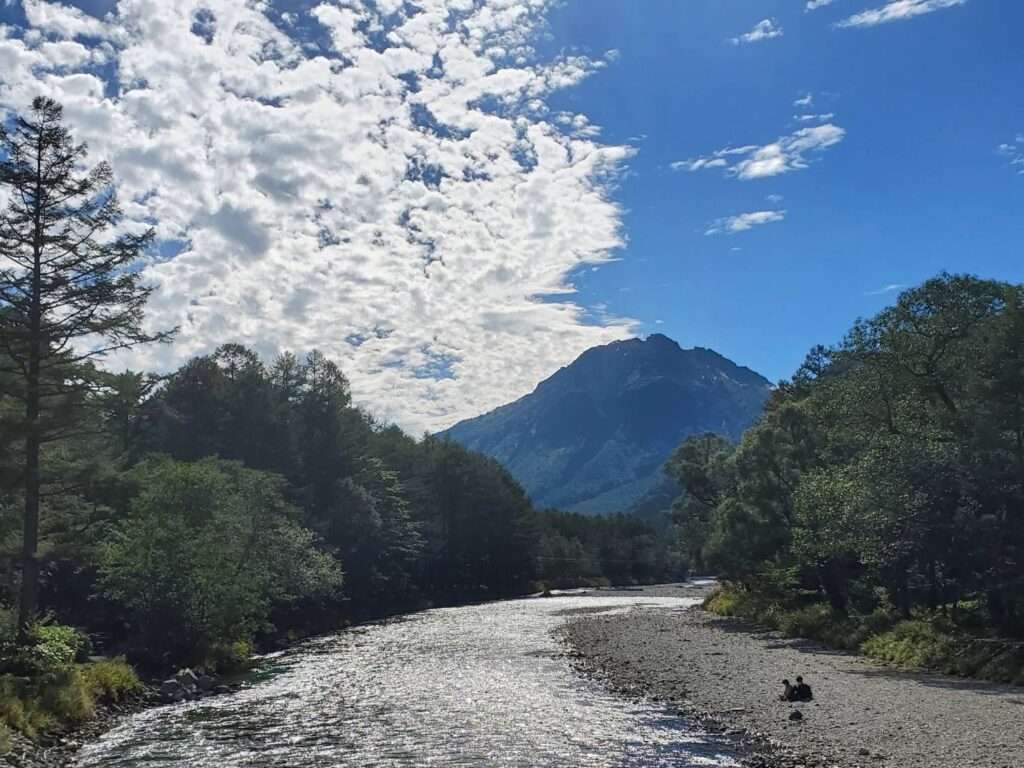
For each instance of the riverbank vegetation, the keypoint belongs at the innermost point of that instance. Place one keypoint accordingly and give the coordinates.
(878, 502)
(190, 517)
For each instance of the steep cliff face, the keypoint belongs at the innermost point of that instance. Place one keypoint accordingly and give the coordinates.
(593, 437)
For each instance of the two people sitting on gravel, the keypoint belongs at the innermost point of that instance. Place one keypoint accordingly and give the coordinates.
(799, 692)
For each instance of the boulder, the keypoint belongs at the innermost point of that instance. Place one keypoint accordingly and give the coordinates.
(172, 690)
(187, 678)
(205, 683)
(796, 714)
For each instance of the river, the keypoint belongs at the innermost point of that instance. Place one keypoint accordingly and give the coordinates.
(482, 685)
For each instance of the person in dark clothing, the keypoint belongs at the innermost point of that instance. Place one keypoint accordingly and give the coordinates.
(788, 692)
(802, 691)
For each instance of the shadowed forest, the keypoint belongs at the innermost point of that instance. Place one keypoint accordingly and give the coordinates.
(879, 502)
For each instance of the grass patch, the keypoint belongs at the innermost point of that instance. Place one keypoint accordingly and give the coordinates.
(57, 701)
(110, 681)
(931, 644)
(928, 642)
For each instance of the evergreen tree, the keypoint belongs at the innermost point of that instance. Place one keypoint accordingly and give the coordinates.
(68, 294)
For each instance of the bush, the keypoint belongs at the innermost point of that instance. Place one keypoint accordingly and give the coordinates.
(51, 648)
(67, 700)
(814, 621)
(59, 700)
(722, 601)
(932, 643)
(110, 680)
(916, 643)
(228, 658)
(21, 706)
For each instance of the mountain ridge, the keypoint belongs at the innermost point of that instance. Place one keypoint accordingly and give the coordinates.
(592, 437)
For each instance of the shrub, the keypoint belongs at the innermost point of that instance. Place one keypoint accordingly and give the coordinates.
(62, 699)
(110, 680)
(51, 648)
(21, 707)
(228, 658)
(722, 601)
(916, 643)
(67, 700)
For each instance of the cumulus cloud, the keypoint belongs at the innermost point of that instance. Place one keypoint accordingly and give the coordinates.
(766, 29)
(63, 21)
(395, 195)
(730, 225)
(813, 5)
(898, 10)
(788, 153)
(1014, 150)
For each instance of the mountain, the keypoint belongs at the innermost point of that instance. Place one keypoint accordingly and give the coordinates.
(593, 437)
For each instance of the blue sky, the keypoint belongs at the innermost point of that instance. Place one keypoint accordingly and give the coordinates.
(453, 198)
(916, 186)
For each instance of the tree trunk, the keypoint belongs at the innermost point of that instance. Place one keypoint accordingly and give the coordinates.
(29, 598)
(30, 528)
(30, 535)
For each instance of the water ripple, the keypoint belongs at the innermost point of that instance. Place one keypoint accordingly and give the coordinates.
(473, 686)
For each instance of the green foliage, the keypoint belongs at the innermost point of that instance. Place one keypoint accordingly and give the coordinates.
(724, 602)
(110, 680)
(65, 698)
(888, 478)
(49, 648)
(229, 496)
(230, 658)
(207, 548)
(927, 642)
(917, 643)
(577, 550)
(814, 621)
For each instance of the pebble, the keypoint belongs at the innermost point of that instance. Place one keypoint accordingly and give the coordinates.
(920, 720)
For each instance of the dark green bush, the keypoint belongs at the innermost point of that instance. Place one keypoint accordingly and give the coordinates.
(51, 648)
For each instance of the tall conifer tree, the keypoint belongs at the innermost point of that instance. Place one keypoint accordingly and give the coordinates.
(70, 292)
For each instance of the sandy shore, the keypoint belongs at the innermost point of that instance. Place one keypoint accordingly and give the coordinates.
(864, 713)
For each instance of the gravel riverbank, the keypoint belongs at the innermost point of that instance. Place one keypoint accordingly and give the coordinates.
(864, 713)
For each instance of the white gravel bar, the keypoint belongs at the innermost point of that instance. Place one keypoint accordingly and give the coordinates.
(863, 713)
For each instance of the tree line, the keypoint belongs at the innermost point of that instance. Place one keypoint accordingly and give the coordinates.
(886, 477)
(181, 517)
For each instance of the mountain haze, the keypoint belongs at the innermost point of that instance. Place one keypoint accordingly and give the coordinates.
(593, 437)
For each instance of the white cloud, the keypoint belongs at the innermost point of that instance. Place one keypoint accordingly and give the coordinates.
(730, 225)
(1015, 152)
(890, 288)
(399, 200)
(813, 5)
(898, 10)
(788, 153)
(766, 29)
(804, 101)
(822, 118)
(64, 21)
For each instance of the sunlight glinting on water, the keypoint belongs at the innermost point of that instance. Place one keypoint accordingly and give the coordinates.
(472, 686)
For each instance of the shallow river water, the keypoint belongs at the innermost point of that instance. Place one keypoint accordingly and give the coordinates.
(480, 685)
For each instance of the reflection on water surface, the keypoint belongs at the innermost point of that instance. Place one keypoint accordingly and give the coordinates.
(474, 686)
